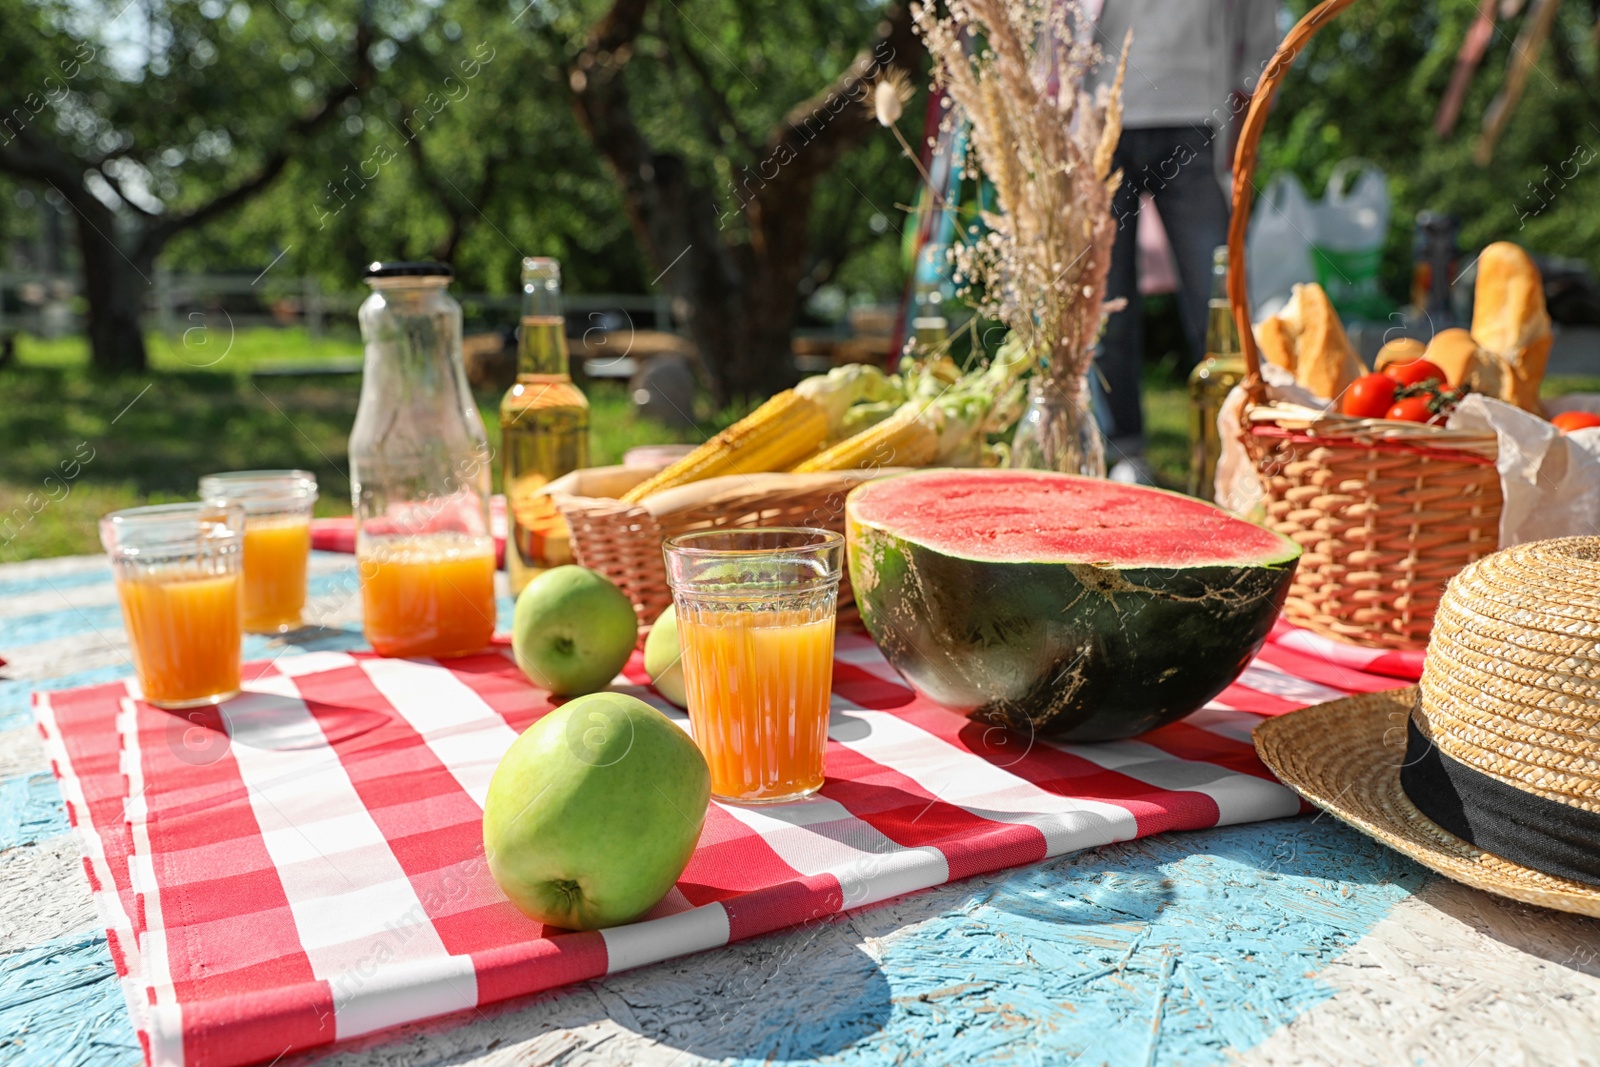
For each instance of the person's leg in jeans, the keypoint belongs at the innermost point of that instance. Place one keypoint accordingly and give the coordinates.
(1115, 377)
(1195, 215)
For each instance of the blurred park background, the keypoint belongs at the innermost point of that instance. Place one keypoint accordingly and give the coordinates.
(189, 193)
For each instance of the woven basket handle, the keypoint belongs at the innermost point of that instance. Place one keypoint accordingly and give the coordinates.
(1244, 168)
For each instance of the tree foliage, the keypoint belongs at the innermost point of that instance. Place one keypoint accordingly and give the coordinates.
(155, 119)
(317, 135)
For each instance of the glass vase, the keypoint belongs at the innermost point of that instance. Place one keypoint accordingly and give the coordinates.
(1058, 431)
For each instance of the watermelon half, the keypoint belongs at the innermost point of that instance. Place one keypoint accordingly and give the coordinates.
(1076, 608)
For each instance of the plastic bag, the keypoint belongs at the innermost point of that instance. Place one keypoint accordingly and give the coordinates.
(1278, 249)
(1550, 480)
(1348, 228)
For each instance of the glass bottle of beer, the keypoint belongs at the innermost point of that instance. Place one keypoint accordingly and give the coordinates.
(544, 429)
(1211, 380)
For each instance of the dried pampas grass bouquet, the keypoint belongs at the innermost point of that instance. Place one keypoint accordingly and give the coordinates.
(1016, 71)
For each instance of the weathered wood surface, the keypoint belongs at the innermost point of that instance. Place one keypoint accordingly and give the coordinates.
(1290, 942)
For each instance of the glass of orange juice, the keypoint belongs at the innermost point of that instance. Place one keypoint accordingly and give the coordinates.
(177, 571)
(755, 612)
(277, 541)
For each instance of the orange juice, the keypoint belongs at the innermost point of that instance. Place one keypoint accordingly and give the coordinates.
(758, 684)
(428, 595)
(276, 549)
(183, 625)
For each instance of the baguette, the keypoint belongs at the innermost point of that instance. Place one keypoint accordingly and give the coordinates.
(1509, 319)
(1307, 339)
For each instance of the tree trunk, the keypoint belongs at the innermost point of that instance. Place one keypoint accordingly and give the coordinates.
(737, 299)
(114, 289)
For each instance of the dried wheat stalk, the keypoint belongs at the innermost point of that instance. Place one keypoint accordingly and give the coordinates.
(1045, 145)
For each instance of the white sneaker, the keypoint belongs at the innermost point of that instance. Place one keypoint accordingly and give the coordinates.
(1133, 470)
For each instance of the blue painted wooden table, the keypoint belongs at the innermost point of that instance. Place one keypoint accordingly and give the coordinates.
(1295, 941)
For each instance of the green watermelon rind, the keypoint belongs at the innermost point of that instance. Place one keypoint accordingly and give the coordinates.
(1074, 651)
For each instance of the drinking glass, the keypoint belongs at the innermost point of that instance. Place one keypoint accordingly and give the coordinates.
(277, 541)
(755, 612)
(178, 577)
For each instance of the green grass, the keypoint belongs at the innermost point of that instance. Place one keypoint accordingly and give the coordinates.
(77, 445)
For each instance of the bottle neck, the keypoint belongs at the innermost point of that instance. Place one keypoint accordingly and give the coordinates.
(542, 345)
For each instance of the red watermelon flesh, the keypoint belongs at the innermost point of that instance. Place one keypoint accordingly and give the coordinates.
(1037, 516)
(1075, 608)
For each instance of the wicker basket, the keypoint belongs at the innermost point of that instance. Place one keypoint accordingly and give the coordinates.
(623, 541)
(1386, 511)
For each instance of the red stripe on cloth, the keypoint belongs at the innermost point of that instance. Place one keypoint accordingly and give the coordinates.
(634, 670)
(1190, 742)
(257, 1024)
(1405, 664)
(1324, 672)
(525, 967)
(865, 689)
(729, 860)
(1243, 698)
(774, 907)
(86, 720)
(118, 959)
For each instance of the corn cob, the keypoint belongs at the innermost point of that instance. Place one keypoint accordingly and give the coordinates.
(779, 433)
(902, 440)
(946, 420)
(794, 424)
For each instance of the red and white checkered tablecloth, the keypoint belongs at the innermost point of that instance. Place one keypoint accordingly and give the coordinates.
(305, 863)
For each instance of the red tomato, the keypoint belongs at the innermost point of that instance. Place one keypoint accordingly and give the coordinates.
(1415, 373)
(1568, 421)
(1413, 409)
(1368, 397)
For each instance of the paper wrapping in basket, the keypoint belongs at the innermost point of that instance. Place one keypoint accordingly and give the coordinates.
(1550, 480)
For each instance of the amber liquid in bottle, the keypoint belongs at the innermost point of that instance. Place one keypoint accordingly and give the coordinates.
(1211, 381)
(544, 434)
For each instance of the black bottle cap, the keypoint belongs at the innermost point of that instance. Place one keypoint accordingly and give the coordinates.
(403, 269)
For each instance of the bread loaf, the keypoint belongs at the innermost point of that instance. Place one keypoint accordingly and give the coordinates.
(1307, 339)
(1509, 319)
(1465, 362)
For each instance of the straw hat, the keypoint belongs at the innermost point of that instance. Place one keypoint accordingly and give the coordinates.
(1489, 771)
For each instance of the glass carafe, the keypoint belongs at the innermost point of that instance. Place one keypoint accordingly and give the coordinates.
(419, 473)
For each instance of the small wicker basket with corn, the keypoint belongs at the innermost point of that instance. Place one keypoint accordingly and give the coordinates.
(791, 462)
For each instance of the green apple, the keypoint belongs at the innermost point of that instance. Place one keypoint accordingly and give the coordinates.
(663, 659)
(594, 812)
(572, 631)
